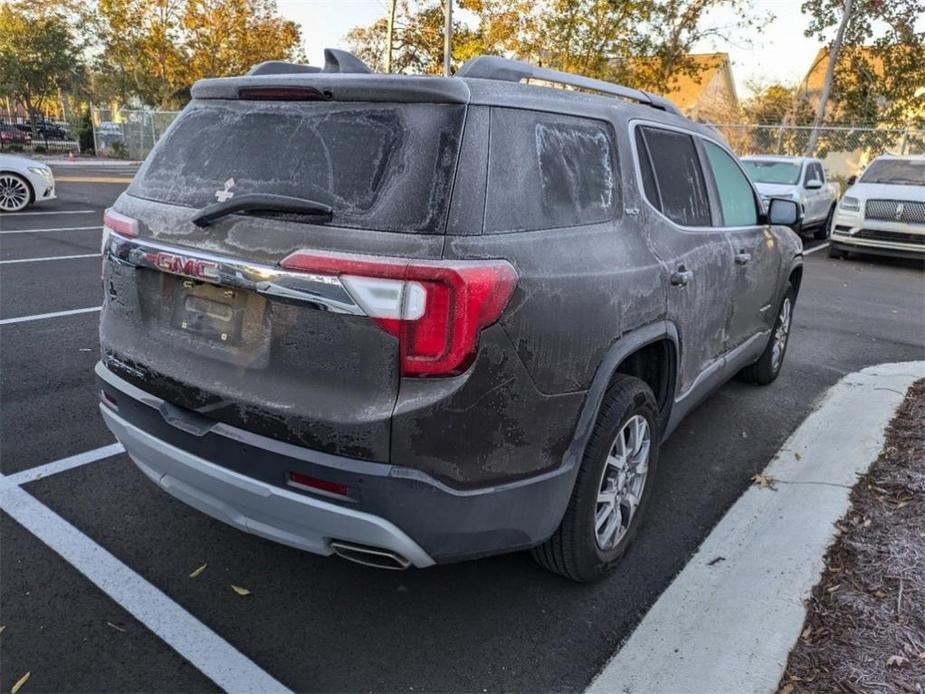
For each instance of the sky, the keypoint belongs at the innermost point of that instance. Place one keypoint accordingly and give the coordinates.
(780, 53)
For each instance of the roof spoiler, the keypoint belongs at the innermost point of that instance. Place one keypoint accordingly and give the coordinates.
(336, 61)
(492, 67)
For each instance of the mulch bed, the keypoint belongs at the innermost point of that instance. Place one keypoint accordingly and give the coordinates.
(865, 623)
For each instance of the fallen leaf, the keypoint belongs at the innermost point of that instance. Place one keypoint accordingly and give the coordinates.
(20, 682)
(895, 661)
(2, 627)
(239, 590)
(763, 481)
(922, 655)
(806, 632)
(866, 522)
(832, 589)
(798, 456)
(198, 572)
(786, 689)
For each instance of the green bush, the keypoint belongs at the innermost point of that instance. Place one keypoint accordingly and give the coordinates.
(85, 134)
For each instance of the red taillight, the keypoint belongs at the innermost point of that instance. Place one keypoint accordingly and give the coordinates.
(436, 309)
(281, 94)
(120, 224)
(297, 479)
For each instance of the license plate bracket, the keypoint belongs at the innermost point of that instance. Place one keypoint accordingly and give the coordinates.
(209, 311)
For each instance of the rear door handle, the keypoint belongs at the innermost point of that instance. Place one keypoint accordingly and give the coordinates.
(681, 277)
(742, 258)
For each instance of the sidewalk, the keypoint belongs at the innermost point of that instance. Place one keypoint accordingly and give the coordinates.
(730, 618)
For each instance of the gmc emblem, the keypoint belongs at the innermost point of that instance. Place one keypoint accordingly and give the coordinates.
(181, 265)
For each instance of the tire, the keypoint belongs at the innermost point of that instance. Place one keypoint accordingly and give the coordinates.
(825, 230)
(575, 550)
(836, 252)
(15, 192)
(768, 366)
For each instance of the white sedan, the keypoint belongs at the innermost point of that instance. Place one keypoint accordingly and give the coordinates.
(23, 182)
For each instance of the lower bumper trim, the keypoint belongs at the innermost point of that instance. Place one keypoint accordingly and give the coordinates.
(258, 508)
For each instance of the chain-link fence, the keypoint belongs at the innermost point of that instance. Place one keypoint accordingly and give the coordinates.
(128, 134)
(843, 150)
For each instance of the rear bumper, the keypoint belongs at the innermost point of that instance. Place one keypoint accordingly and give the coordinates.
(241, 478)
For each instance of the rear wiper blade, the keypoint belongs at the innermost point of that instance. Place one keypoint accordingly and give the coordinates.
(263, 202)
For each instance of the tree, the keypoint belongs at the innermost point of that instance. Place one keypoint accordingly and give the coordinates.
(38, 57)
(643, 43)
(156, 49)
(882, 61)
(834, 52)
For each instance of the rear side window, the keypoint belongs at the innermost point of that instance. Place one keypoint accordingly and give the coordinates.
(736, 197)
(380, 166)
(678, 177)
(548, 170)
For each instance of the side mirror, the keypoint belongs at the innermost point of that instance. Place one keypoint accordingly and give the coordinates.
(813, 184)
(784, 212)
(852, 180)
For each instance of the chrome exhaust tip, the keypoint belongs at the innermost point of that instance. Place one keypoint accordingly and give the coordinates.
(370, 556)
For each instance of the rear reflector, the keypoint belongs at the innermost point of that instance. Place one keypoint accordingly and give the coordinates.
(436, 309)
(120, 224)
(297, 479)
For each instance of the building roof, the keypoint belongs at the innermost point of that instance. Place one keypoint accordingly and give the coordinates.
(686, 90)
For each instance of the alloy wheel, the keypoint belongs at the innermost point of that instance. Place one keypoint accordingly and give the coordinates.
(14, 194)
(781, 333)
(622, 482)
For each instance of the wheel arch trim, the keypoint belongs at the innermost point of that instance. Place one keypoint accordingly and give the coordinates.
(618, 352)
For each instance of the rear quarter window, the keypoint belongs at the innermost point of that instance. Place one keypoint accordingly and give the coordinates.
(381, 166)
(548, 171)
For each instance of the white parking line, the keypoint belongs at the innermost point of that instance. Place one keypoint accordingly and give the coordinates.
(39, 231)
(203, 648)
(42, 316)
(36, 473)
(50, 257)
(15, 214)
(816, 248)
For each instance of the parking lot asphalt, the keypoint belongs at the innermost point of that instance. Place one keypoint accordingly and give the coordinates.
(320, 624)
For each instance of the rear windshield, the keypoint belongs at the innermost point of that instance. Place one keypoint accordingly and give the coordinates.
(380, 166)
(895, 172)
(769, 171)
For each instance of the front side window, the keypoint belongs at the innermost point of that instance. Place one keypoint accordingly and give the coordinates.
(736, 197)
(682, 194)
(548, 171)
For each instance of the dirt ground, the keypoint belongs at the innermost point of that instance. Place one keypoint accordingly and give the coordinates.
(865, 623)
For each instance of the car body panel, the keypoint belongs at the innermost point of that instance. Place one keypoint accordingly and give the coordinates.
(460, 465)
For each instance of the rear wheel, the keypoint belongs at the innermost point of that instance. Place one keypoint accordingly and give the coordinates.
(14, 192)
(612, 488)
(767, 368)
(825, 230)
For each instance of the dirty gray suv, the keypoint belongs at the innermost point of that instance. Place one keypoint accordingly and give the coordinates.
(415, 320)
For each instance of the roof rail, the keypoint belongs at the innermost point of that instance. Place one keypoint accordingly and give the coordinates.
(492, 67)
(335, 61)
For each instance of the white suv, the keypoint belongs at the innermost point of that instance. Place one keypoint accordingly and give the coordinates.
(883, 212)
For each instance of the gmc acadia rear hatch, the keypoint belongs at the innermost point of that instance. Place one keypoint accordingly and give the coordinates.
(286, 320)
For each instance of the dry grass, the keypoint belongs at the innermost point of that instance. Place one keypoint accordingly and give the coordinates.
(865, 623)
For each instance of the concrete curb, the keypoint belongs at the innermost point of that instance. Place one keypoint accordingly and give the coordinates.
(728, 621)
